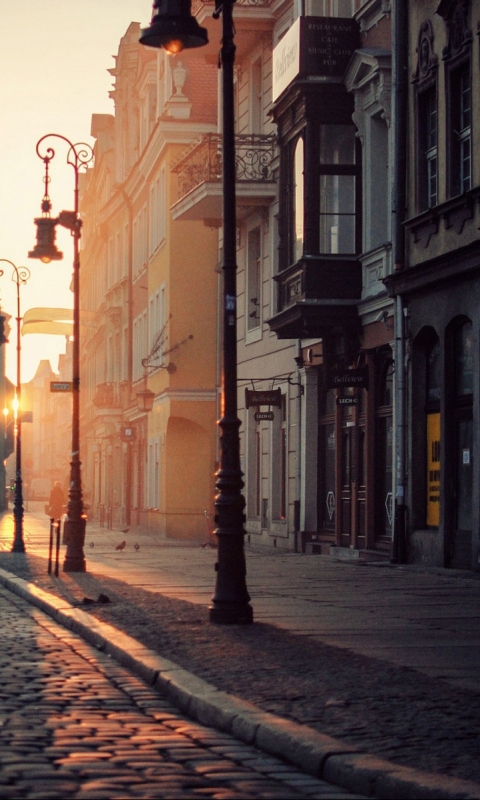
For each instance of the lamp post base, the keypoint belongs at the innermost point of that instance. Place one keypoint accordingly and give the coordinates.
(74, 534)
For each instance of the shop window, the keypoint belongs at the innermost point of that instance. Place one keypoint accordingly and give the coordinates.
(279, 462)
(433, 448)
(327, 459)
(384, 454)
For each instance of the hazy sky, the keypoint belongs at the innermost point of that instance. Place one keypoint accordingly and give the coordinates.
(54, 57)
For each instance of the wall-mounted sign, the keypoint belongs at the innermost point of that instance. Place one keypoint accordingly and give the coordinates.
(349, 377)
(351, 400)
(263, 415)
(60, 386)
(128, 434)
(268, 398)
(314, 47)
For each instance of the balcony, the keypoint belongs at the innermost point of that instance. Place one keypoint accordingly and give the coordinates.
(108, 395)
(316, 294)
(199, 171)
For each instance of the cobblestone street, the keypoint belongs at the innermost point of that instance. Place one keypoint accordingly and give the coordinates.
(74, 724)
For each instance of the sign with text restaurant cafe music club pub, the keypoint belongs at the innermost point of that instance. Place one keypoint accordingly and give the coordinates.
(314, 47)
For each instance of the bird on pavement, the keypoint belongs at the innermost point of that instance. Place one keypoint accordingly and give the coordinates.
(92, 544)
(136, 546)
(121, 546)
(125, 530)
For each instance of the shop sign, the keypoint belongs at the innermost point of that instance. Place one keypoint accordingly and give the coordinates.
(347, 401)
(349, 377)
(268, 398)
(263, 415)
(433, 469)
(314, 47)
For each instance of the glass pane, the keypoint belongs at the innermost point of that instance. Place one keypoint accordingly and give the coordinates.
(464, 360)
(337, 194)
(337, 144)
(299, 208)
(464, 475)
(329, 478)
(433, 374)
(337, 234)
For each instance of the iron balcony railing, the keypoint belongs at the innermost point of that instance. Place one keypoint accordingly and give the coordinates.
(202, 161)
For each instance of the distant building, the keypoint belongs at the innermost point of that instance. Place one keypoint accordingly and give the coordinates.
(149, 303)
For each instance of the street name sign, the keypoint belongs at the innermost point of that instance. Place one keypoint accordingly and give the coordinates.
(60, 386)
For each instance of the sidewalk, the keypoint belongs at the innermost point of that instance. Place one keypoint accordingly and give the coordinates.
(343, 660)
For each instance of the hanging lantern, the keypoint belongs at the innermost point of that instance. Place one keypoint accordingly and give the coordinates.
(45, 248)
(173, 27)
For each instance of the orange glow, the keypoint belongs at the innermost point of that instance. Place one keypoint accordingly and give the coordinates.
(173, 47)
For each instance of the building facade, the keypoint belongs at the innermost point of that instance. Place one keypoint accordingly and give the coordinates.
(439, 286)
(148, 303)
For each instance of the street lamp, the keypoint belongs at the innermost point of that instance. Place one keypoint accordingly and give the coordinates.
(78, 157)
(171, 28)
(20, 277)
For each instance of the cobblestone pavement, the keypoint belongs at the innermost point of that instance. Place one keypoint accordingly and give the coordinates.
(74, 724)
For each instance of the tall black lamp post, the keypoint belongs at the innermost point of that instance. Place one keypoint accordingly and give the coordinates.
(173, 28)
(78, 157)
(20, 276)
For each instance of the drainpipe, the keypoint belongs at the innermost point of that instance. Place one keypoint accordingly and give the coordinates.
(128, 481)
(298, 449)
(399, 130)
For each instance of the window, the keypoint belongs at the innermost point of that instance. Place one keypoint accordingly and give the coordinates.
(254, 279)
(256, 99)
(298, 207)
(157, 209)
(460, 133)
(139, 344)
(153, 467)
(337, 189)
(427, 147)
(157, 328)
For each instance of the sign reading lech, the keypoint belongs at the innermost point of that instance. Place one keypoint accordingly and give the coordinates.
(268, 398)
(60, 386)
(351, 400)
(263, 415)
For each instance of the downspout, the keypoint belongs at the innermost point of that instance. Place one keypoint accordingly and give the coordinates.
(399, 116)
(128, 482)
(299, 545)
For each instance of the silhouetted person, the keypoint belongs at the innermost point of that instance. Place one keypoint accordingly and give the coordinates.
(57, 500)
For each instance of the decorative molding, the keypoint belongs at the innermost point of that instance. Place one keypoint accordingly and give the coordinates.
(455, 14)
(427, 61)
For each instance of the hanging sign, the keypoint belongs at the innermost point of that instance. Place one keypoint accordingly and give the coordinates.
(268, 398)
(349, 377)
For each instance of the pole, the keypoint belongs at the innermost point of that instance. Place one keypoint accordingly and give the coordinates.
(75, 523)
(20, 276)
(230, 603)
(78, 156)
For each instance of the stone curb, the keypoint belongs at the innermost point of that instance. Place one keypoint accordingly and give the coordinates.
(315, 753)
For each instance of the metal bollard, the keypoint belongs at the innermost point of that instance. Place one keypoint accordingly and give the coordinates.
(57, 549)
(50, 548)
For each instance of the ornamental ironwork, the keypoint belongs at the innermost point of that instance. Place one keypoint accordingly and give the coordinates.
(202, 161)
